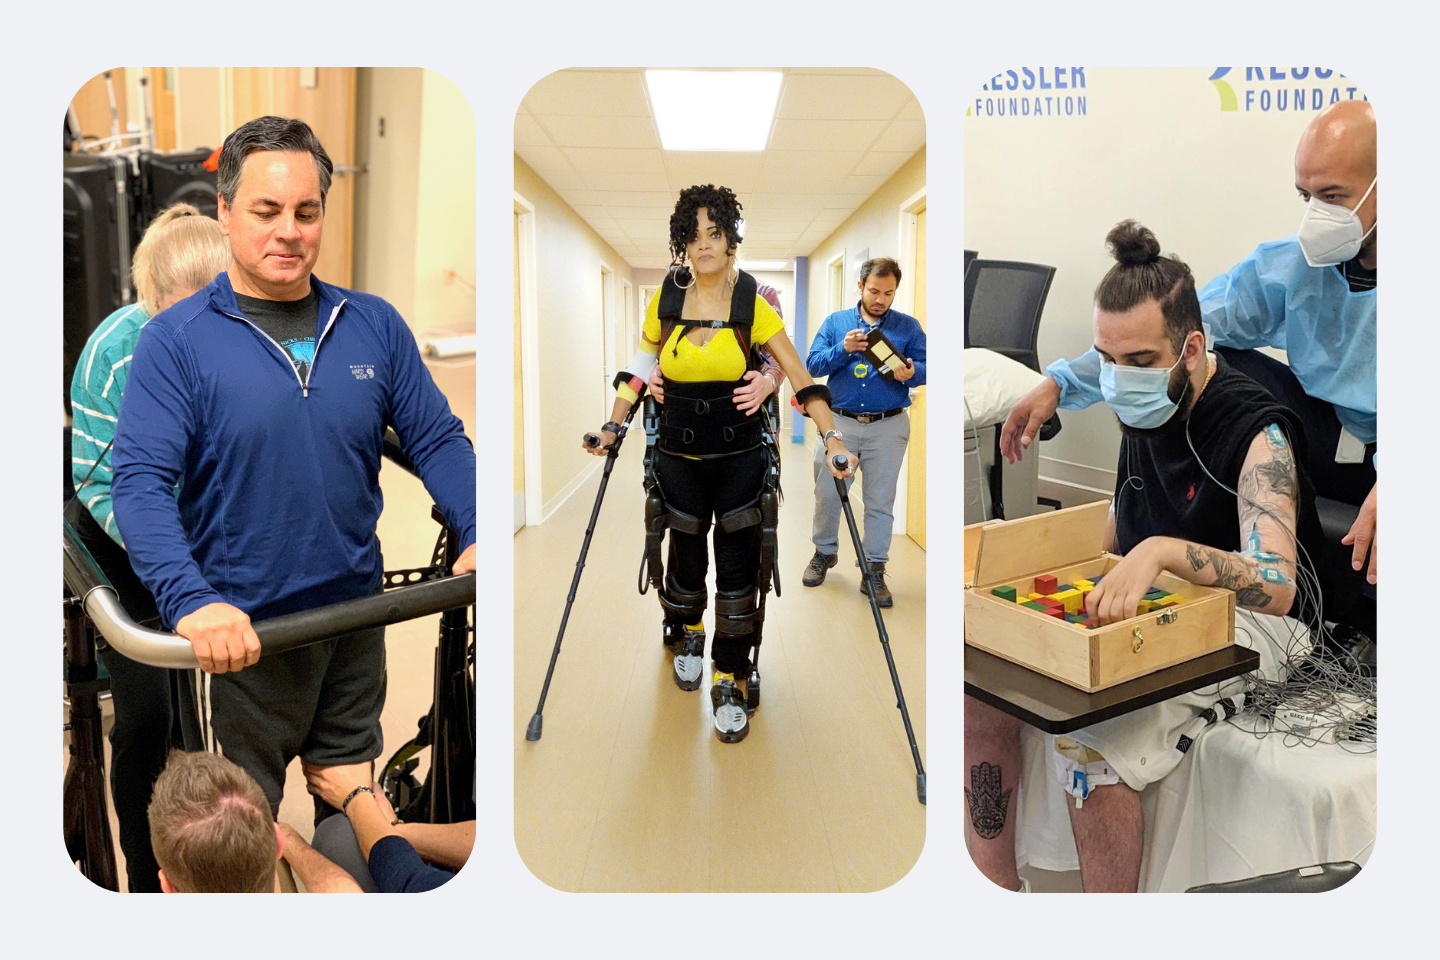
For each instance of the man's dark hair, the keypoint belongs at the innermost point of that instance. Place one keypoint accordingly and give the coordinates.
(880, 267)
(211, 827)
(1142, 274)
(269, 133)
(724, 211)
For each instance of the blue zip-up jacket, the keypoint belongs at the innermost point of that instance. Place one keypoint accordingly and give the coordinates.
(854, 384)
(280, 480)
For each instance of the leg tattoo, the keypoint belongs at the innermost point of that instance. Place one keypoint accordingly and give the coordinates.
(988, 804)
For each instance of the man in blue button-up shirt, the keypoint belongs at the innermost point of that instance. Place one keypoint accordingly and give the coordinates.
(870, 412)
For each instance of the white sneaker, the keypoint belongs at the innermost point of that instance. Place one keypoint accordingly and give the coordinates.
(689, 660)
(727, 701)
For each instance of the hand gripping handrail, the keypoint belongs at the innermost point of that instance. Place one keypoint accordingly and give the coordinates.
(161, 649)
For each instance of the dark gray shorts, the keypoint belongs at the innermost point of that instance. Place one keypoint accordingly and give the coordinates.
(321, 703)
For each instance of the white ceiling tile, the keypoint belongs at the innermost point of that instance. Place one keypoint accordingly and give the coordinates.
(902, 136)
(580, 197)
(640, 213)
(788, 201)
(806, 172)
(613, 132)
(598, 160)
(811, 97)
(867, 184)
(606, 228)
(654, 198)
(572, 93)
(528, 132)
(588, 212)
(602, 182)
(845, 135)
(645, 229)
(561, 180)
(765, 228)
(912, 111)
(734, 170)
(884, 164)
(541, 158)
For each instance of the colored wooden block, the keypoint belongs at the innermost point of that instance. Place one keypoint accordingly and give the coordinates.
(1061, 588)
(1075, 618)
(1033, 605)
(1084, 586)
(1033, 596)
(1005, 593)
(1070, 598)
(1056, 612)
(1046, 584)
(1155, 593)
(1051, 603)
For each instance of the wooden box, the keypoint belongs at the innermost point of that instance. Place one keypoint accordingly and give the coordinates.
(1067, 544)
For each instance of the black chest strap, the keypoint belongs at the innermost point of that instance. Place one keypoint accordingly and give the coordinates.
(741, 319)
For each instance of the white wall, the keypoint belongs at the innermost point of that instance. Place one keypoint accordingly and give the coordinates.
(1153, 145)
(386, 214)
(568, 254)
(445, 209)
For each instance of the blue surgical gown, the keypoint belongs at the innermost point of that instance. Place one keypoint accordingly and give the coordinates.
(1273, 298)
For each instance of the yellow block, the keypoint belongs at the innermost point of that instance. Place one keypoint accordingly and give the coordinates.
(1084, 586)
(1071, 598)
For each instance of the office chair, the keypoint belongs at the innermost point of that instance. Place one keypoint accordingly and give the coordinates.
(970, 256)
(1004, 300)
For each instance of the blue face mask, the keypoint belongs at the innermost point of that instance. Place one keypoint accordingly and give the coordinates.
(1140, 396)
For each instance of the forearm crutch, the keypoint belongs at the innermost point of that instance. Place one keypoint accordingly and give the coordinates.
(537, 722)
(841, 462)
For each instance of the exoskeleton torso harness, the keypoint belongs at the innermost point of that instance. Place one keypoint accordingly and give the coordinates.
(699, 419)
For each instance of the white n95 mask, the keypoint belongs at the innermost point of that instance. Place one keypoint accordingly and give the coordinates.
(1140, 396)
(1330, 234)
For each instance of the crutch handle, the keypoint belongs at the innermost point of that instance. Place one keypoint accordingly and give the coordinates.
(840, 461)
(591, 439)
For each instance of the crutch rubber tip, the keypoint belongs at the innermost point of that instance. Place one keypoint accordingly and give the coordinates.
(532, 732)
(920, 786)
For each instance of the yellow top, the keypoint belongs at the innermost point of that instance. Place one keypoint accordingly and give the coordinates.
(720, 359)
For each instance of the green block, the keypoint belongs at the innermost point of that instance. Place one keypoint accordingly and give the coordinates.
(1155, 593)
(1034, 605)
(1005, 593)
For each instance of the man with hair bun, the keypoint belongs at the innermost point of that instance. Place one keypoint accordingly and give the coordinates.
(1202, 447)
(1312, 295)
(871, 411)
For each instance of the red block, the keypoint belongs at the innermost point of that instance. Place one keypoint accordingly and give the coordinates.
(1046, 585)
(1057, 612)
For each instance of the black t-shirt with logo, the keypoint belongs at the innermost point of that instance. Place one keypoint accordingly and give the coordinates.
(290, 323)
(1175, 497)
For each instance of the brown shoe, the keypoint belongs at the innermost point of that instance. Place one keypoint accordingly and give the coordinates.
(877, 578)
(815, 572)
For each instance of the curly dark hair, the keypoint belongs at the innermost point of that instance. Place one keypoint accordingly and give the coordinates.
(724, 210)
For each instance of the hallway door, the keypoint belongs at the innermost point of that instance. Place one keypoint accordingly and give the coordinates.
(519, 379)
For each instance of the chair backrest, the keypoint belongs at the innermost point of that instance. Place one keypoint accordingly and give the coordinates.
(1004, 300)
(970, 256)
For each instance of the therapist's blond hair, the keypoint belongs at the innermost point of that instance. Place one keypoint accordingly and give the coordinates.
(181, 250)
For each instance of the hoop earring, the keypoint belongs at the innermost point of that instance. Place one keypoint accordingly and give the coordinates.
(675, 270)
(731, 281)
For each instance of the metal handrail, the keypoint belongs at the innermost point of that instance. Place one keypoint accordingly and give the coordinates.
(158, 648)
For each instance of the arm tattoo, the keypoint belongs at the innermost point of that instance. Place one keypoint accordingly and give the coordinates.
(989, 805)
(1231, 572)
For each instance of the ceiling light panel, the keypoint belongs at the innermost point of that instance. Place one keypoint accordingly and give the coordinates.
(749, 99)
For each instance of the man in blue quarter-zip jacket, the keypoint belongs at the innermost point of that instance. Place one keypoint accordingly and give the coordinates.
(265, 396)
(873, 413)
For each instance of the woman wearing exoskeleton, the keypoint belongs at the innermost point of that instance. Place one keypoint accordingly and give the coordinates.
(713, 457)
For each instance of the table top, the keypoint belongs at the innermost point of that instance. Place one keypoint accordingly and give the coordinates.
(1055, 707)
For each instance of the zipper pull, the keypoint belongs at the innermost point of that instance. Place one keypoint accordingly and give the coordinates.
(304, 391)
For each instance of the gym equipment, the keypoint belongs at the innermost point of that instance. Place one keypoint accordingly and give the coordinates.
(841, 462)
(537, 722)
(91, 607)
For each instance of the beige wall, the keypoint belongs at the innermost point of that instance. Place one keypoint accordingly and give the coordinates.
(445, 236)
(1153, 145)
(386, 212)
(198, 105)
(572, 384)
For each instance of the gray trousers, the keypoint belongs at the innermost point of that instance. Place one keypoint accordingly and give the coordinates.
(880, 446)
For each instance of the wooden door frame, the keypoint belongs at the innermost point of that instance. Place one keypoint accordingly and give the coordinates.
(909, 212)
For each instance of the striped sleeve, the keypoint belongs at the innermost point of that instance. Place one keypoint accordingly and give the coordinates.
(95, 391)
